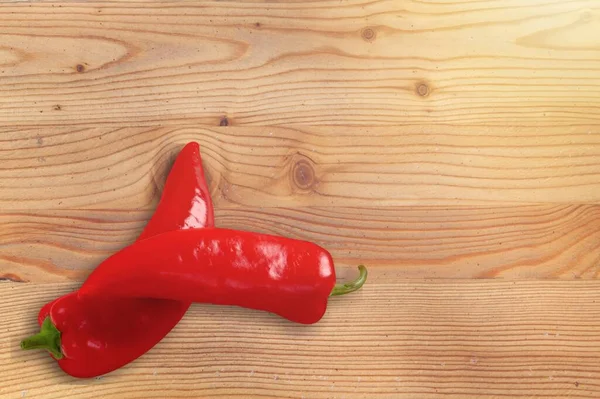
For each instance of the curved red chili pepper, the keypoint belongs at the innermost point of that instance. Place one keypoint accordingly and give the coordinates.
(291, 278)
(185, 202)
(90, 338)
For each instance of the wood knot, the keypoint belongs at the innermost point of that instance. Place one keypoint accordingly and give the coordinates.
(422, 90)
(159, 172)
(586, 16)
(303, 174)
(224, 121)
(12, 277)
(79, 68)
(368, 34)
(257, 25)
(57, 107)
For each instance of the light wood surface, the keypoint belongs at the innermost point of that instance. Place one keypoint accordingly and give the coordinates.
(359, 62)
(480, 339)
(453, 147)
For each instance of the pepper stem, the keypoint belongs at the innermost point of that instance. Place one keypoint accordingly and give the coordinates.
(48, 338)
(342, 289)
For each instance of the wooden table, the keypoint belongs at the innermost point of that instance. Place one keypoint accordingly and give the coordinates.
(453, 147)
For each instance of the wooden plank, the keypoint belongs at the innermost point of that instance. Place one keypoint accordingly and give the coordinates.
(356, 62)
(521, 242)
(124, 167)
(398, 339)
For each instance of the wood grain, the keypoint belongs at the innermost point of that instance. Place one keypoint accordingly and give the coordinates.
(124, 167)
(452, 146)
(355, 62)
(525, 242)
(394, 339)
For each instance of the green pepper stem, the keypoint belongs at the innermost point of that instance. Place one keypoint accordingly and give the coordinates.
(48, 338)
(342, 289)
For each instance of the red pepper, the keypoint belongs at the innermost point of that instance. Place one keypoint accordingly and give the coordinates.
(291, 278)
(90, 338)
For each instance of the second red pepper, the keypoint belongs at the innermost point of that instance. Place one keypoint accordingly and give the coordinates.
(291, 278)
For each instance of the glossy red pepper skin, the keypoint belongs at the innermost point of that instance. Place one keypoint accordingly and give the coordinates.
(102, 335)
(287, 277)
(185, 202)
